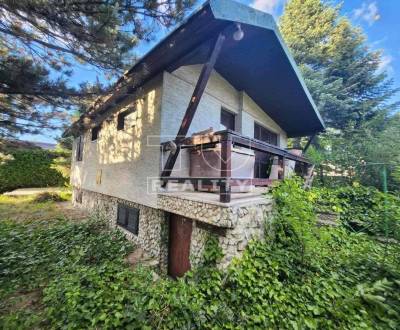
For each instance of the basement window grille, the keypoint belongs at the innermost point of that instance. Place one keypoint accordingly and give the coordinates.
(128, 218)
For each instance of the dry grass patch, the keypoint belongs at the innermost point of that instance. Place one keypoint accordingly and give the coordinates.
(39, 207)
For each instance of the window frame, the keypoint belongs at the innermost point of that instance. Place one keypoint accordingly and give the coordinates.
(95, 133)
(79, 149)
(269, 131)
(231, 113)
(126, 213)
(121, 118)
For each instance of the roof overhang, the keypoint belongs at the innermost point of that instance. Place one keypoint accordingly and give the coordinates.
(260, 65)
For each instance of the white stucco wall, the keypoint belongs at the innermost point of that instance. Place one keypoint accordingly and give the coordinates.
(253, 113)
(123, 159)
(178, 87)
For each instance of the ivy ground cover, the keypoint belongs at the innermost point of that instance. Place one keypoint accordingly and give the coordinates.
(58, 274)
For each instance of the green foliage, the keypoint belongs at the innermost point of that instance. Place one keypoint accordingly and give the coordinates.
(354, 97)
(29, 168)
(34, 253)
(358, 155)
(48, 197)
(339, 67)
(212, 251)
(362, 208)
(345, 281)
(43, 41)
(300, 277)
(104, 296)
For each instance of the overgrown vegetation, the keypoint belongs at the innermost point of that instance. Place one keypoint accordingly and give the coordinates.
(362, 208)
(34, 253)
(30, 168)
(300, 277)
(33, 207)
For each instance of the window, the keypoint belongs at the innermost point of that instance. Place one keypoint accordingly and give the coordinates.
(121, 118)
(263, 161)
(263, 134)
(95, 132)
(128, 218)
(227, 120)
(79, 149)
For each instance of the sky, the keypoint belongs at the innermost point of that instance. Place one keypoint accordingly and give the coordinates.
(378, 19)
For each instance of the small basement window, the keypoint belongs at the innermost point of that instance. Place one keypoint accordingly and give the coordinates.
(95, 133)
(121, 118)
(128, 218)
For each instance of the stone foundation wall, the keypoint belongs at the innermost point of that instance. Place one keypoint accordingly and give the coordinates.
(242, 224)
(217, 214)
(151, 221)
(250, 225)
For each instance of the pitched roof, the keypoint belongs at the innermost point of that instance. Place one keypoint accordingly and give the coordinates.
(260, 64)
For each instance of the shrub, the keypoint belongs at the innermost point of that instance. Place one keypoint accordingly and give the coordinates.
(362, 208)
(299, 277)
(47, 197)
(29, 168)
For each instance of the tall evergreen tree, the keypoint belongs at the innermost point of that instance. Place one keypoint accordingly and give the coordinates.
(352, 94)
(340, 69)
(42, 40)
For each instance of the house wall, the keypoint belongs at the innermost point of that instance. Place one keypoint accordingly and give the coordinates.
(219, 93)
(234, 225)
(153, 229)
(119, 163)
(178, 87)
(122, 163)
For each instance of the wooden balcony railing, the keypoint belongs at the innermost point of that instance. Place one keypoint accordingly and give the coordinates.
(228, 140)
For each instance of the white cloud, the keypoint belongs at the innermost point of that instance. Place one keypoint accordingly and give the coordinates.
(269, 6)
(368, 12)
(386, 64)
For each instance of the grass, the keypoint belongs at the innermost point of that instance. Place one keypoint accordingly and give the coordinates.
(26, 208)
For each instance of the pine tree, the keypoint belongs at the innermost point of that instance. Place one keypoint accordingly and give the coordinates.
(340, 69)
(353, 96)
(42, 40)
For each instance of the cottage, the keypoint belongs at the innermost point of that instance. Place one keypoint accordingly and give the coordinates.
(193, 133)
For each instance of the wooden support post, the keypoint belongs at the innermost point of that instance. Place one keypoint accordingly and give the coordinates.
(226, 170)
(193, 104)
(308, 143)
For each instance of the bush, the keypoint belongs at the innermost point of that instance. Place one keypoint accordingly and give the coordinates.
(362, 208)
(47, 197)
(29, 168)
(299, 277)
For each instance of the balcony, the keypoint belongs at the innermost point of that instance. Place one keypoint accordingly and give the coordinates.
(231, 164)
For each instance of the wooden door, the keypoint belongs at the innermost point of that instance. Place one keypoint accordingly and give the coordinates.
(180, 233)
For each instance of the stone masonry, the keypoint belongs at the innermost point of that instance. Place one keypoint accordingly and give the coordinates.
(151, 220)
(235, 224)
